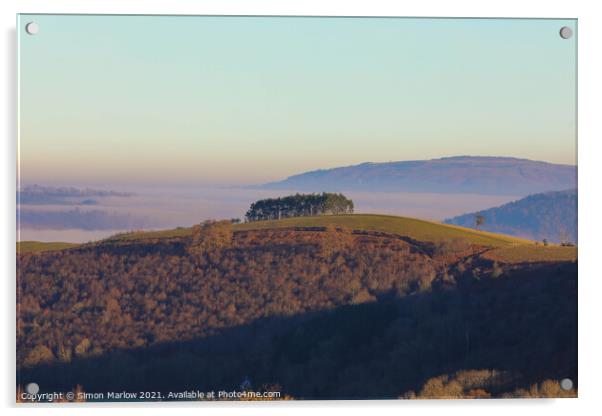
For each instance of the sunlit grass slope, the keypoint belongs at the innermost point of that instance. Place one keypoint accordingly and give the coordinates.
(138, 235)
(505, 248)
(416, 229)
(38, 246)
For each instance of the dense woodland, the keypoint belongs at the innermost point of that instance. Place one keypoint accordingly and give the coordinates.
(299, 205)
(320, 313)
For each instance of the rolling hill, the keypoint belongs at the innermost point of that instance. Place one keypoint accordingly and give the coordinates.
(551, 216)
(327, 307)
(462, 174)
(416, 229)
(427, 232)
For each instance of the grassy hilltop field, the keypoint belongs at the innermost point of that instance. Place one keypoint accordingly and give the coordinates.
(503, 247)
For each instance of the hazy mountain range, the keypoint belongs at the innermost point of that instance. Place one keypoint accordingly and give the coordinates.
(94, 219)
(551, 216)
(66, 207)
(51, 195)
(460, 174)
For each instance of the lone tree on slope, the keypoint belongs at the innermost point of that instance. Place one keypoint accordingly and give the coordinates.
(479, 220)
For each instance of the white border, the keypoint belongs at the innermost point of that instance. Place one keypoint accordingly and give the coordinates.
(590, 154)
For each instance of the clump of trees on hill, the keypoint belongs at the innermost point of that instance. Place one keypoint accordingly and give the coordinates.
(299, 205)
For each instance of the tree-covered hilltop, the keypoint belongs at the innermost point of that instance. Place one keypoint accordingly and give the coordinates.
(299, 205)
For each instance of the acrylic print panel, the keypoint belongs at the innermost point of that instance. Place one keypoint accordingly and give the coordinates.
(269, 208)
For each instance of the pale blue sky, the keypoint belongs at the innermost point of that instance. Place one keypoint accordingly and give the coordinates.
(238, 100)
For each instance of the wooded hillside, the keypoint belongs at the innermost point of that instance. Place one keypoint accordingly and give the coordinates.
(321, 312)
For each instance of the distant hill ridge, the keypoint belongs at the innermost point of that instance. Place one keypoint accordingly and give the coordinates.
(550, 215)
(458, 174)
